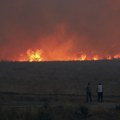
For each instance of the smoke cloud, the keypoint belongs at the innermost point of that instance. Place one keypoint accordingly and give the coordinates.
(90, 26)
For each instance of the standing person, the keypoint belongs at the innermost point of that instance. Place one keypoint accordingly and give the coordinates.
(88, 93)
(100, 92)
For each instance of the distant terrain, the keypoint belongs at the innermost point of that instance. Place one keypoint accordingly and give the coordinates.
(60, 77)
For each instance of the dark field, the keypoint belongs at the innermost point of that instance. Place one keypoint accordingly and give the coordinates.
(50, 87)
(60, 77)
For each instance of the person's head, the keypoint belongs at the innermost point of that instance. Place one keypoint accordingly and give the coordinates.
(99, 83)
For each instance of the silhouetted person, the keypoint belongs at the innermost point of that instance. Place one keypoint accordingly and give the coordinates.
(88, 93)
(100, 92)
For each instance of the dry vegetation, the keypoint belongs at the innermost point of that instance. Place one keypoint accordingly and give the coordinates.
(56, 90)
(58, 113)
(60, 77)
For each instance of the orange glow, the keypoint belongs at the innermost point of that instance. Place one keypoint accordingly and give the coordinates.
(59, 47)
(117, 56)
(109, 57)
(96, 57)
(31, 56)
(83, 57)
(37, 55)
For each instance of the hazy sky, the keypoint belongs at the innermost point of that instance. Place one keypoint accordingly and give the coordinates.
(75, 25)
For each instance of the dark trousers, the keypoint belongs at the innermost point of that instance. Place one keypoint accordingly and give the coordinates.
(100, 97)
(88, 97)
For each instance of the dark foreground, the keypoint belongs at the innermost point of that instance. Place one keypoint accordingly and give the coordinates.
(58, 109)
(60, 77)
(18, 106)
(56, 90)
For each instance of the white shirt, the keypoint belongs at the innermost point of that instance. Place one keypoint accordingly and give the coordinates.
(99, 88)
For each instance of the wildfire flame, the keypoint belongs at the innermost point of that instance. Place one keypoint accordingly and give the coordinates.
(31, 56)
(54, 49)
(37, 56)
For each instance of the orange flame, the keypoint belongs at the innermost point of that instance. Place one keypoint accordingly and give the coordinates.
(31, 56)
(117, 56)
(37, 55)
(53, 50)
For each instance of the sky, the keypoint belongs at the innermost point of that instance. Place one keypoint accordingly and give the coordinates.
(61, 29)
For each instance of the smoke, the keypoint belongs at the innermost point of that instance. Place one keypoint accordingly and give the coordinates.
(90, 26)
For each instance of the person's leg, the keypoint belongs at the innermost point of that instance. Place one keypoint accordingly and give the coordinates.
(101, 97)
(87, 97)
(98, 97)
(90, 96)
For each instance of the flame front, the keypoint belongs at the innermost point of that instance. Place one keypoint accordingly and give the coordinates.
(59, 47)
(37, 56)
(31, 56)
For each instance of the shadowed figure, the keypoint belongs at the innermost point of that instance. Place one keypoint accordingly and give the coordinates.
(100, 92)
(88, 93)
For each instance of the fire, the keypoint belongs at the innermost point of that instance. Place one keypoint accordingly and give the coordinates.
(37, 55)
(31, 56)
(34, 55)
(96, 57)
(54, 49)
(84, 57)
(117, 56)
